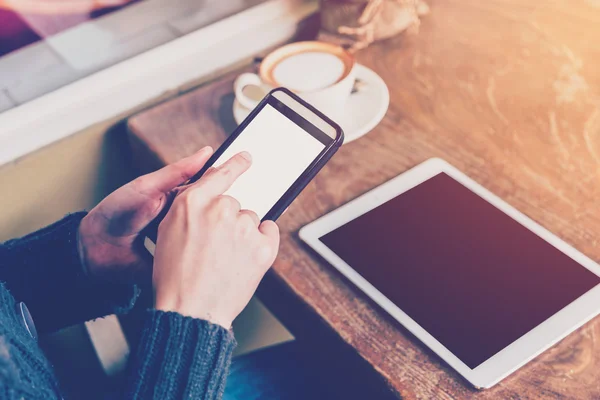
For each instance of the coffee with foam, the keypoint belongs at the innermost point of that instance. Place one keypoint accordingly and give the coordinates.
(309, 71)
(320, 73)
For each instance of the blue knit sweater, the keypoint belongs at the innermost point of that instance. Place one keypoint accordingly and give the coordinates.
(177, 357)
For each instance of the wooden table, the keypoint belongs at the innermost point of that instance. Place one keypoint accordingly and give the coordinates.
(508, 91)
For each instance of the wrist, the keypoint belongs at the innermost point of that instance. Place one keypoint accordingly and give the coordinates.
(194, 311)
(90, 253)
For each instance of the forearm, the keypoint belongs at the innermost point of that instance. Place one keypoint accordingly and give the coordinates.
(44, 270)
(179, 357)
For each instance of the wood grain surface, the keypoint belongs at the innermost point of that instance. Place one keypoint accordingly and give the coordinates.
(507, 91)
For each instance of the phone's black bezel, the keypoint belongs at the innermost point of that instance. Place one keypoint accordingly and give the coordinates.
(309, 173)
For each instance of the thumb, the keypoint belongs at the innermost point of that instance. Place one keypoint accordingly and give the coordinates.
(173, 175)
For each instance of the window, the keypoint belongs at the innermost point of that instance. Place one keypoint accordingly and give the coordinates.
(46, 44)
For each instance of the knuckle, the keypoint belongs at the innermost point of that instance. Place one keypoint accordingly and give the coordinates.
(252, 216)
(226, 205)
(183, 174)
(228, 202)
(223, 212)
(153, 206)
(140, 182)
(246, 224)
(209, 172)
(192, 197)
(225, 171)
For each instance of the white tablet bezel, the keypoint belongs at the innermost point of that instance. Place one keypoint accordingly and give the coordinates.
(516, 354)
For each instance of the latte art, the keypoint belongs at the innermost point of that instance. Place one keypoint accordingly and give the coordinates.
(308, 71)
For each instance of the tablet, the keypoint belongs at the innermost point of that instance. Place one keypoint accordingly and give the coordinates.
(479, 283)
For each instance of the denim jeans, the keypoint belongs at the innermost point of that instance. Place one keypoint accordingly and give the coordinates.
(290, 372)
(278, 372)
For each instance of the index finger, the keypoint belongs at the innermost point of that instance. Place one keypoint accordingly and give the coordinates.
(221, 179)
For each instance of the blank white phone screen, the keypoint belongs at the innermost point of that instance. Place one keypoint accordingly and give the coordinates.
(281, 151)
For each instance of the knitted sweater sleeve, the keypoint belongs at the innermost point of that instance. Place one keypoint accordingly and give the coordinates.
(179, 357)
(43, 269)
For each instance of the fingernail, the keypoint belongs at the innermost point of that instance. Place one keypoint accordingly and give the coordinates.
(246, 155)
(205, 149)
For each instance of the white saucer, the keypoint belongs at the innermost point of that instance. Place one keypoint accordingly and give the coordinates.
(363, 111)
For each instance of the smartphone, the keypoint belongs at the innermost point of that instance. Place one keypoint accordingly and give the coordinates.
(289, 141)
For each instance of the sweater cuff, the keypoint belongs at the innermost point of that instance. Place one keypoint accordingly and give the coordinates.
(85, 299)
(180, 357)
(48, 276)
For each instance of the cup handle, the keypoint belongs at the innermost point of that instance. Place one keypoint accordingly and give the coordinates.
(358, 86)
(242, 81)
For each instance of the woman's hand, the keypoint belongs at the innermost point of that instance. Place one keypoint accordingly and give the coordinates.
(210, 256)
(109, 240)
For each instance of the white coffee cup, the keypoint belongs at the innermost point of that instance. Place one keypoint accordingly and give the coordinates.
(320, 73)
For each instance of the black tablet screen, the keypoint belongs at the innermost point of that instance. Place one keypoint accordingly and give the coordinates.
(471, 276)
